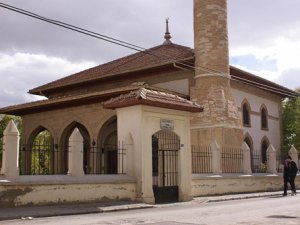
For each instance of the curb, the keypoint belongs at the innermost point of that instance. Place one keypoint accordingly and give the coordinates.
(104, 209)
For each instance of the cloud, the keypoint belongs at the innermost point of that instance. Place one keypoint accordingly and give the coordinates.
(134, 21)
(290, 78)
(263, 37)
(23, 71)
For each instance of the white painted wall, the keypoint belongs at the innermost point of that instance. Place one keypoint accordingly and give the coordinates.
(138, 124)
(274, 121)
(179, 86)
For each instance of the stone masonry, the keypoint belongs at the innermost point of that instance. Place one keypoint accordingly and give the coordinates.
(220, 120)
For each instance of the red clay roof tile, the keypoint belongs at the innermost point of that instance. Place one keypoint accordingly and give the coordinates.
(146, 96)
(152, 57)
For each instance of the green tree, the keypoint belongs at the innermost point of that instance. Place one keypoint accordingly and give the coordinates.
(291, 124)
(41, 154)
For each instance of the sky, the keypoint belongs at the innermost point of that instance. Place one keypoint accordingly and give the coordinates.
(264, 38)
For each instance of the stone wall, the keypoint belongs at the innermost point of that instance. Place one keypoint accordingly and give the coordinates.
(37, 190)
(229, 184)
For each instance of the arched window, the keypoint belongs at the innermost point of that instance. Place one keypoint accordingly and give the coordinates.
(264, 118)
(246, 114)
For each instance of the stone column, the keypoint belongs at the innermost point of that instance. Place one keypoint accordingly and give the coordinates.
(10, 157)
(294, 154)
(246, 159)
(271, 164)
(76, 154)
(220, 120)
(216, 158)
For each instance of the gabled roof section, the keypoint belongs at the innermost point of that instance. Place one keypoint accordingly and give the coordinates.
(155, 98)
(153, 57)
(259, 82)
(76, 100)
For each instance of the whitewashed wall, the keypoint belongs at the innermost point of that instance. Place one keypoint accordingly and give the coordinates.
(256, 99)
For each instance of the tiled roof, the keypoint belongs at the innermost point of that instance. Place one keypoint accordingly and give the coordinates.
(149, 97)
(159, 55)
(59, 102)
(154, 58)
(45, 104)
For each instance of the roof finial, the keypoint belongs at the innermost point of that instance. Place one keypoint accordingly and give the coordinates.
(167, 34)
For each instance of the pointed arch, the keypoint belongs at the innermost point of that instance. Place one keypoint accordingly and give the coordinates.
(108, 147)
(64, 145)
(264, 117)
(246, 109)
(35, 133)
(37, 156)
(249, 141)
(264, 147)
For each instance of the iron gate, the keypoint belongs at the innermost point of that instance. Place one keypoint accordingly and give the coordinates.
(165, 146)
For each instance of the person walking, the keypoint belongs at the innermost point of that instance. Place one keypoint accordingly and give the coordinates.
(289, 175)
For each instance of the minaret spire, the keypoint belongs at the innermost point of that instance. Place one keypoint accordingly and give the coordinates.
(167, 34)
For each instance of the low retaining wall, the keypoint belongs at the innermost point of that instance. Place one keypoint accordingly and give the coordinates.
(38, 190)
(203, 185)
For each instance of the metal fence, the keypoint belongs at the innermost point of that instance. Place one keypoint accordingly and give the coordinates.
(1, 152)
(231, 160)
(201, 159)
(40, 159)
(258, 162)
(108, 159)
(279, 163)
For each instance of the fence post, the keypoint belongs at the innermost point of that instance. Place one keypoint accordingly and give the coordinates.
(271, 163)
(76, 154)
(216, 157)
(246, 159)
(10, 157)
(294, 154)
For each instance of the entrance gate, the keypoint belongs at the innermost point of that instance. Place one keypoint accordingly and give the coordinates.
(165, 146)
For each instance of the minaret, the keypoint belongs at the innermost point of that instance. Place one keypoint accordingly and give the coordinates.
(220, 120)
(167, 34)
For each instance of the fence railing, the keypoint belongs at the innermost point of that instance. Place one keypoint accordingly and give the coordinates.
(201, 159)
(42, 160)
(109, 159)
(279, 163)
(258, 163)
(1, 153)
(51, 160)
(231, 160)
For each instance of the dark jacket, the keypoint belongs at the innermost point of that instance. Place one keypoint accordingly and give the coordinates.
(292, 169)
(286, 171)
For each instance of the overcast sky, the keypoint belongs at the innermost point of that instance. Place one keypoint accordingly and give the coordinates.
(264, 38)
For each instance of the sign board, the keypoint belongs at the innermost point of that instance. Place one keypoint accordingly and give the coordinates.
(166, 124)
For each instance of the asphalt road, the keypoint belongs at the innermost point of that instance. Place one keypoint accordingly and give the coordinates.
(268, 210)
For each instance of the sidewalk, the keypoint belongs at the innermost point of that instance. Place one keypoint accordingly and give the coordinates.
(29, 212)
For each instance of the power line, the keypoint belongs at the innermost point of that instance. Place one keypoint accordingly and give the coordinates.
(125, 44)
(103, 37)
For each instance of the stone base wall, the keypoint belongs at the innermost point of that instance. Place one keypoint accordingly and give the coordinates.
(226, 184)
(34, 192)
